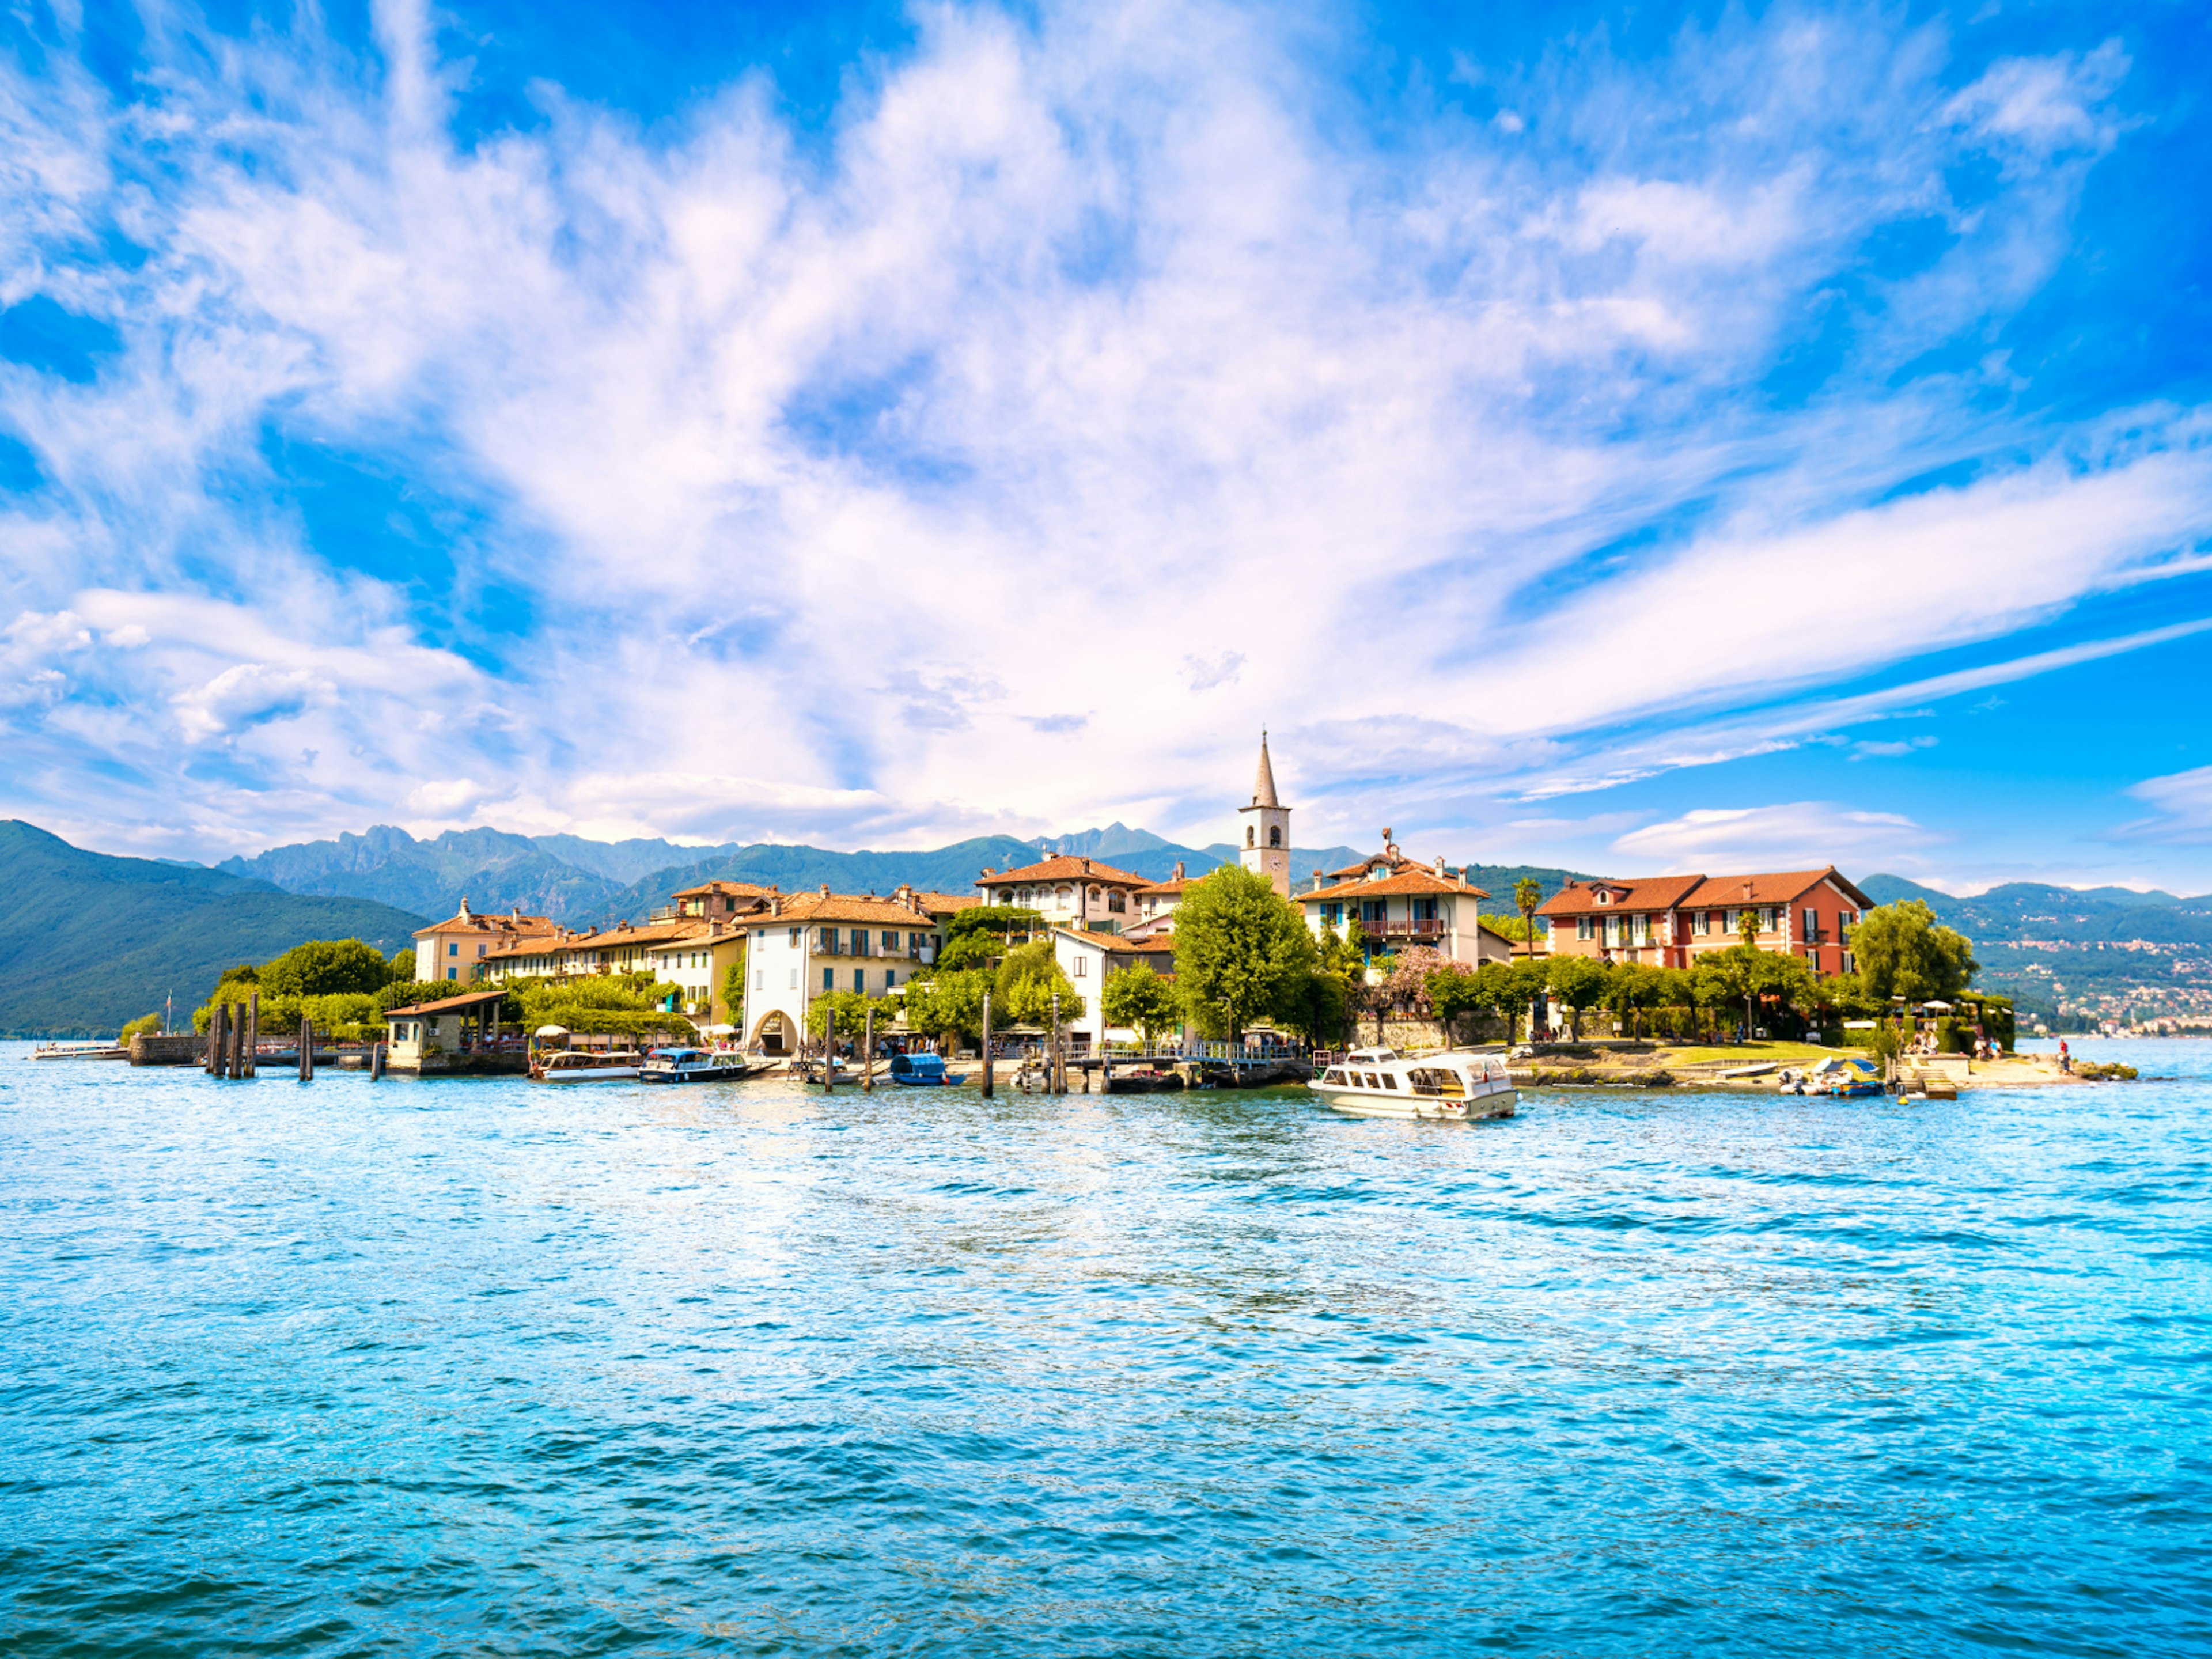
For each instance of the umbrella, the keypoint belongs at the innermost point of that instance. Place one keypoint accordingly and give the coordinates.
(718, 1030)
(1936, 1007)
(552, 1031)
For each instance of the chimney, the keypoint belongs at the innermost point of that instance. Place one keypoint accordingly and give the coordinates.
(1178, 874)
(1440, 865)
(1086, 866)
(774, 902)
(825, 890)
(464, 906)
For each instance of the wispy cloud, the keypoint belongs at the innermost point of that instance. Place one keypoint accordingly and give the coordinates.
(709, 480)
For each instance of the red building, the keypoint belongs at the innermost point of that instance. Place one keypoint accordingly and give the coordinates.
(1669, 921)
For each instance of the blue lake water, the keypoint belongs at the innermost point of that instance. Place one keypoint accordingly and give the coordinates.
(483, 1367)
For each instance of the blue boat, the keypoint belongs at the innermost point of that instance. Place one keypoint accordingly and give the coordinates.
(920, 1071)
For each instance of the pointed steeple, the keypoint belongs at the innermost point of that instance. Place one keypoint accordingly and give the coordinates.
(1263, 786)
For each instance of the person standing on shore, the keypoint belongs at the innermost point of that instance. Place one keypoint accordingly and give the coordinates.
(2065, 1057)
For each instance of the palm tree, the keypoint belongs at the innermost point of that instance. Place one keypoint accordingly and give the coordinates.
(1527, 894)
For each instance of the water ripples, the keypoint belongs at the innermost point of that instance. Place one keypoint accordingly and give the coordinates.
(339, 1370)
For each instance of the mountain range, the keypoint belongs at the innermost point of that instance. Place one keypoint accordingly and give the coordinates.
(585, 884)
(2099, 952)
(163, 925)
(88, 941)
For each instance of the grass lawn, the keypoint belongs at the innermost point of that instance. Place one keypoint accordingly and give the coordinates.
(1750, 1054)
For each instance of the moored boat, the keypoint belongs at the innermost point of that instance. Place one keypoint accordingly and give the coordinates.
(692, 1066)
(583, 1065)
(920, 1071)
(80, 1051)
(1450, 1085)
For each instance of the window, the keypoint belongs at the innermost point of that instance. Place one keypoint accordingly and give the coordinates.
(451, 973)
(1082, 966)
(1376, 910)
(1613, 930)
(1602, 896)
(1581, 926)
(795, 979)
(1064, 895)
(453, 949)
(795, 933)
(1274, 835)
(829, 979)
(480, 951)
(1812, 921)
(760, 979)
(1117, 902)
(1250, 839)
(1332, 914)
(891, 941)
(860, 980)
(890, 978)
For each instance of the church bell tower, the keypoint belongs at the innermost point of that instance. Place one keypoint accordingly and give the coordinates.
(1265, 847)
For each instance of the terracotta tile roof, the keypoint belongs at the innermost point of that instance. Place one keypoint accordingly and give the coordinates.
(1696, 893)
(1414, 879)
(1169, 889)
(1061, 867)
(1644, 893)
(469, 921)
(945, 904)
(725, 889)
(1778, 887)
(1118, 943)
(605, 939)
(446, 1004)
(808, 909)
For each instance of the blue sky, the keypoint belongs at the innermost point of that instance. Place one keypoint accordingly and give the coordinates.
(1640, 439)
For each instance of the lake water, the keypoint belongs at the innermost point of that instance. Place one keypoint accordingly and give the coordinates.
(486, 1367)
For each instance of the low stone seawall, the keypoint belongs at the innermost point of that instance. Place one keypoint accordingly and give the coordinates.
(187, 1049)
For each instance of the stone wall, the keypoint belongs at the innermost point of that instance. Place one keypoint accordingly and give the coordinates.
(187, 1049)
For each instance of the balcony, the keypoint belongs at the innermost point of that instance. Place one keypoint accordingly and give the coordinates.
(1401, 928)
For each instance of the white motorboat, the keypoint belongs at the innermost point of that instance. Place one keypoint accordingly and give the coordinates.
(583, 1065)
(81, 1051)
(692, 1066)
(1384, 1083)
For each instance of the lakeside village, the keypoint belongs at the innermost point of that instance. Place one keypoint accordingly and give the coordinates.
(1070, 968)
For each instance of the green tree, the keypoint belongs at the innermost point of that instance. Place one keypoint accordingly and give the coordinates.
(733, 988)
(1138, 1000)
(950, 1004)
(149, 1024)
(1746, 927)
(1025, 983)
(1580, 984)
(403, 966)
(1527, 894)
(1241, 952)
(1634, 987)
(327, 967)
(849, 1011)
(1901, 950)
(1495, 988)
(998, 921)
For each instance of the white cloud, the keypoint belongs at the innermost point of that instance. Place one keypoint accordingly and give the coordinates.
(250, 694)
(2183, 801)
(1092, 399)
(1801, 834)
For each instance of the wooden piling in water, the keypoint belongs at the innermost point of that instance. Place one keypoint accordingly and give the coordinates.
(868, 1053)
(237, 1043)
(253, 1044)
(306, 1049)
(1055, 1074)
(213, 1061)
(375, 1062)
(986, 1045)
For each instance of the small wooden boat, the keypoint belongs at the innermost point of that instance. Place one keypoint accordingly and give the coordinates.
(1383, 1083)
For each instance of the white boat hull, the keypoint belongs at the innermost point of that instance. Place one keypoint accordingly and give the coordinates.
(589, 1074)
(1361, 1102)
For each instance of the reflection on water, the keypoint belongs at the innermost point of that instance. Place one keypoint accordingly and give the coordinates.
(343, 1368)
